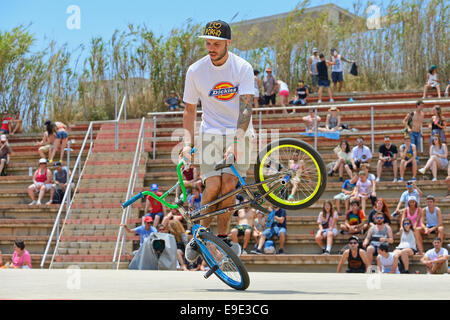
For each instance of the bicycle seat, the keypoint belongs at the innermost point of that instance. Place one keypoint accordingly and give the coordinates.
(225, 163)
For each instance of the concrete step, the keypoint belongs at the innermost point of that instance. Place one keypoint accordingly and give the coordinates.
(87, 265)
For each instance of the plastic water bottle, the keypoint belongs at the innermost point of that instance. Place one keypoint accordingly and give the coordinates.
(30, 171)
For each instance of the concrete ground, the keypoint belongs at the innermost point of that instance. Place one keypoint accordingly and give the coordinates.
(176, 285)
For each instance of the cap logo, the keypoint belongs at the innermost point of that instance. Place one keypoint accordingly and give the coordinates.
(213, 29)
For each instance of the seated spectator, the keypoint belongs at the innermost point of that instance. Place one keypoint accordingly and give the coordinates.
(381, 232)
(407, 246)
(275, 226)
(42, 182)
(48, 140)
(195, 199)
(387, 262)
(143, 231)
(258, 227)
(21, 258)
(432, 82)
(447, 181)
(60, 179)
(16, 124)
(327, 222)
(173, 214)
(347, 192)
(177, 230)
(360, 154)
(412, 190)
(438, 124)
(191, 179)
(438, 157)
(302, 94)
(298, 165)
(371, 177)
(153, 207)
(284, 94)
(447, 89)
(6, 123)
(310, 121)
(5, 154)
(415, 218)
(333, 121)
(408, 158)
(344, 161)
(387, 158)
(354, 219)
(355, 256)
(363, 189)
(244, 227)
(173, 102)
(436, 259)
(430, 223)
(60, 141)
(380, 206)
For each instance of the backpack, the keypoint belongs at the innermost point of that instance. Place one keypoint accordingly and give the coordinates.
(58, 195)
(354, 69)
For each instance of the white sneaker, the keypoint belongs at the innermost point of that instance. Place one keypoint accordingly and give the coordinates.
(434, 179)
(38, 203)
(319, 101)
(422, 170)
(32, 203)
(395, 180)
(377, 180)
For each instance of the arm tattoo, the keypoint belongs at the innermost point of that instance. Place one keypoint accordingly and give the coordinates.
(245, 112)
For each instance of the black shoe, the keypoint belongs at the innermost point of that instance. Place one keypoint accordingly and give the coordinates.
(256, 251)
(341, 179)
(280, 251)
(330, 173)
(326, 252)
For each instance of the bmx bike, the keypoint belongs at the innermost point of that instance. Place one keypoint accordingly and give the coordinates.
(289, 173)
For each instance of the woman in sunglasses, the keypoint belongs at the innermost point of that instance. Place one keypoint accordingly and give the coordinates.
(355, 257)
(407, 246)
(438, 157)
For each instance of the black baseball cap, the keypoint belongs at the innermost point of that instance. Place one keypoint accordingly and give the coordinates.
(217, 30)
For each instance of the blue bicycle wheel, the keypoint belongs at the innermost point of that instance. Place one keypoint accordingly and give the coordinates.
(230, 268)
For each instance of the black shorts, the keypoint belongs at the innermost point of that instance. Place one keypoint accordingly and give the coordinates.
(270, 99)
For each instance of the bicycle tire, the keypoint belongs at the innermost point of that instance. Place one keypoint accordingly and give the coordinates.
(315, 159)
(220, 273)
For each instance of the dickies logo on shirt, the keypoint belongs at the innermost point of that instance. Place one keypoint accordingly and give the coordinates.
(223, 91)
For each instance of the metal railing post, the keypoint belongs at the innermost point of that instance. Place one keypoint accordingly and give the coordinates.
(372, 129)
(315, 128)
(154, 137)
(260, 132)
(115, 117)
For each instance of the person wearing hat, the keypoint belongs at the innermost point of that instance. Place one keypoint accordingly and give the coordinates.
(412, 190)
(337, 73)
(355, 257)
(5, 152)
(432, 82)
(224, 83)
(173, 102)
(333, 121)
(154, 208)
(270, 87)
(312, 69)
(143, 231)
(6, 123)
(42, 182)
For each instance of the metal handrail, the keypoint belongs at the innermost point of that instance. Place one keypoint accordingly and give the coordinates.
(316, 107)
(66, 199)
(140, 146)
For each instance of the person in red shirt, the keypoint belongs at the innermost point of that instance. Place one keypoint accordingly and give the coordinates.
(154, 208)
(6, 122)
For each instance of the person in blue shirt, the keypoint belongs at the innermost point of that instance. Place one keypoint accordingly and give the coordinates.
(173, 102)
(346, 193)
(195, 199)
(143, 231)
(276, 226)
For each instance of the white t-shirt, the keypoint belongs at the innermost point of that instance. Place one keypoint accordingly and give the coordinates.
(433, 255)
(283, 86)
(338, 66)
(219, 88)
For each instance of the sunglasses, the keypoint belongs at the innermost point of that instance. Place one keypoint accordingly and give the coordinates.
(407, 224)
(379, 218)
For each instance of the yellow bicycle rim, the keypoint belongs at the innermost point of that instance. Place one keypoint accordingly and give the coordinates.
(278, 199)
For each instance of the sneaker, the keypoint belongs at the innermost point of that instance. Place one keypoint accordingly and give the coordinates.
(413, 179)
(233, 245)
(256, 251)
(291, 197)
(192, 251)
(377, 179)
(422, 170)
(38, 203)
(32, 203)
(244, 252)
(341, 179)
(400, 180)
(326, 252)
(280, 251)
(395, 180)
(434, 179)
(319, 101)
(330, 173)
(331, 100)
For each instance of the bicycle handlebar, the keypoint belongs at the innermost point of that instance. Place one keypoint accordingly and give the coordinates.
(132, 200)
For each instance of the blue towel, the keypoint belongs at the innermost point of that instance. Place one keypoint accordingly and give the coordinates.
(329, 135)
